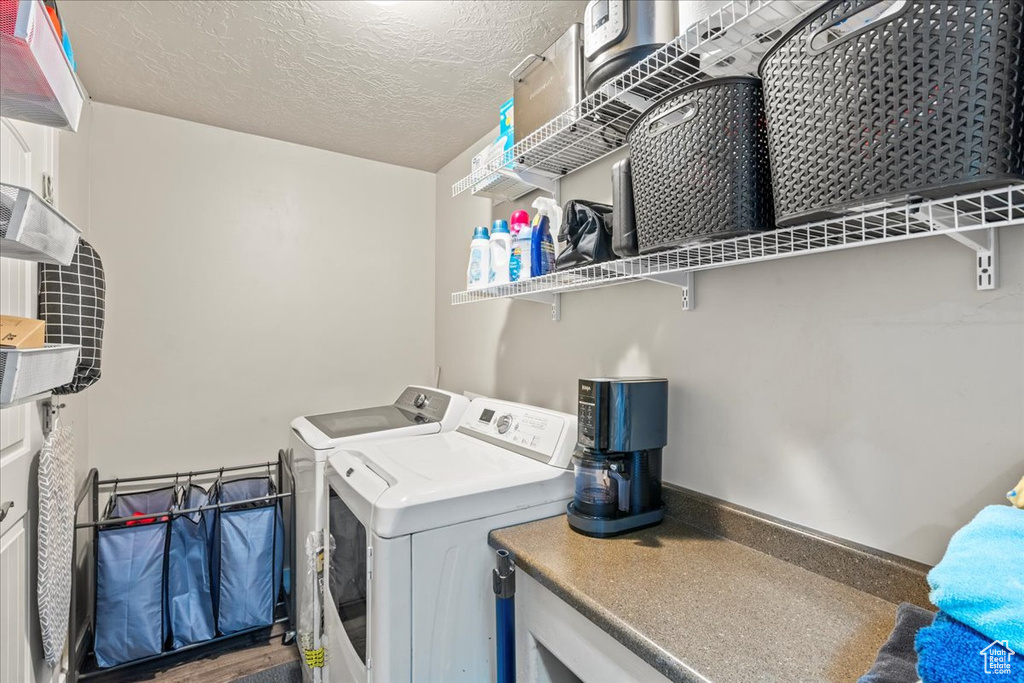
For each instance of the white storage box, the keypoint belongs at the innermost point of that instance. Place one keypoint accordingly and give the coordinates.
(37, 84)
(26, 372)
(32, 230)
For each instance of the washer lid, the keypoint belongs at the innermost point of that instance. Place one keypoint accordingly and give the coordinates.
(330, 430)
(448, 478)
(357, 422)
(419, 410)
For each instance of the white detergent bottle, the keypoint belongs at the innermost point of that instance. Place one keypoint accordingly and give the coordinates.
(501, 253)
(479, 259)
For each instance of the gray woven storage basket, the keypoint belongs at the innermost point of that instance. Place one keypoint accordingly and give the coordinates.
(700, 165)
(870, 101)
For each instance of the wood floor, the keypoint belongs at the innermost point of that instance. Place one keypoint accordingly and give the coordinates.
(227, 662)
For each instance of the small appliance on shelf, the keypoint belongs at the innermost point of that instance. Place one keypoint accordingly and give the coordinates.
(622, 428)
(548, 84)
(618, 34)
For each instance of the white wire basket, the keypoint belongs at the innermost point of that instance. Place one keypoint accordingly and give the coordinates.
(32, 230)
(26, 372)
(37, 83)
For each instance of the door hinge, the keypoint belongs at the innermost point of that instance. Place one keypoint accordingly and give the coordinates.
(48, 189)
(369, 563)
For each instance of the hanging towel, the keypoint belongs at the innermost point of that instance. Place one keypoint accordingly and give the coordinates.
(897, 659)
(55, 538)
(950, 652)
(980, 580)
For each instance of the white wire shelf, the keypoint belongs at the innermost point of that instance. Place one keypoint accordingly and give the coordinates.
(510, 184)
(25, 373)
(728, 42)
(38, 84)
(32, 230)
(502, 187)
(957, 217)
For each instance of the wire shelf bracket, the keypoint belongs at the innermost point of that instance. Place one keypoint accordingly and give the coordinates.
(984, 242)
(681, 279)
(552, 299)
(509, 184)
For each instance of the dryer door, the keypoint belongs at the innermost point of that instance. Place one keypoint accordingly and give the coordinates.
(352, 489)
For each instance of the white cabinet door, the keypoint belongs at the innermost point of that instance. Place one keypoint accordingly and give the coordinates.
(26, 153)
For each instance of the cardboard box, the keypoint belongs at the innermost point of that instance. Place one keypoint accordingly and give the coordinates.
(21, 333)
(506, 128)
(506, 119)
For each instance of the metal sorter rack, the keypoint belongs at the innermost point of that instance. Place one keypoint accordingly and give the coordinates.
(82, 626)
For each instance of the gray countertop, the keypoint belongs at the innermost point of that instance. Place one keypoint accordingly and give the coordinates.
(699, 607)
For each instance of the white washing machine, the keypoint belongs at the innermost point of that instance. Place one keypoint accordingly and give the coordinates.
(408, 587)
(419, 411)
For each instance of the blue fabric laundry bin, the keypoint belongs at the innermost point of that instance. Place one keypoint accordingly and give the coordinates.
(131, 576)
(248, 554)
(189, 598)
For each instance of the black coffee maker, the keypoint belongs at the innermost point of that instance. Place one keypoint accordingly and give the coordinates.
(623, 427)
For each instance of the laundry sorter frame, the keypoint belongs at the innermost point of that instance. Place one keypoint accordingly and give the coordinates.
(82, 622)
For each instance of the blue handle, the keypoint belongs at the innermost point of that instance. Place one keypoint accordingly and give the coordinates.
(506, 616)
(504, 577)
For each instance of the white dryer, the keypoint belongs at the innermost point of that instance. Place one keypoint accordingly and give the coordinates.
(417, 412)
(408, 587)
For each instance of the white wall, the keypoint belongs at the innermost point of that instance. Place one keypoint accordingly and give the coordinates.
(74, 200)
(248, 281)
(873, 393)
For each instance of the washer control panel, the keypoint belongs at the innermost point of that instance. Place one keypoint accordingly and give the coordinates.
(431, 405)
(535, 432)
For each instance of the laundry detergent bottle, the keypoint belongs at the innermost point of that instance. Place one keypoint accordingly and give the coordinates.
(501, 253)
(518, 266)
(542, 245)
(479, 259)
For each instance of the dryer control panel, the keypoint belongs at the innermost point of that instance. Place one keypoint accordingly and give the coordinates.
(541, 434)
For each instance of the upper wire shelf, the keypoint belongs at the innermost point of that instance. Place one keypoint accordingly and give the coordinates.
(953, 216)
(728, 42)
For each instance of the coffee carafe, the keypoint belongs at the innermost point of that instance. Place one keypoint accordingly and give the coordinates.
(623, 427)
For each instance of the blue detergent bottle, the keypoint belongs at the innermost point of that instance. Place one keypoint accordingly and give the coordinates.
(542, 251)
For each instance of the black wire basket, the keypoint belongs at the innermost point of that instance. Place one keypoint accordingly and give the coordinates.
(700, 165)
(872, 100)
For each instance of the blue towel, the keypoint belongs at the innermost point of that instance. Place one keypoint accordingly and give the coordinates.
(950, 652)
(980, 580)
(897, 660)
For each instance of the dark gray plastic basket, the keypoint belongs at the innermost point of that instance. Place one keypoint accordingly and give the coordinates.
(927, 100)
(700, 165)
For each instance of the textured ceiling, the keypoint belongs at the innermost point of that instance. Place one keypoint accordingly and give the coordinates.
(411, 83)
